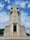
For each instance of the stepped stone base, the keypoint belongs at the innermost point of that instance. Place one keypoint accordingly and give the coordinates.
(15, 34)
(12, 34)
(8, 33)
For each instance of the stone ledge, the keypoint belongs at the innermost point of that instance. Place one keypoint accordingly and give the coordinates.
(15, 38)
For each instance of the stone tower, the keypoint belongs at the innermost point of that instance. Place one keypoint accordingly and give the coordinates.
(14, 19)
(14, 28)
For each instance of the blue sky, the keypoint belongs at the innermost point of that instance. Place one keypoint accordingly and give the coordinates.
(24, 8)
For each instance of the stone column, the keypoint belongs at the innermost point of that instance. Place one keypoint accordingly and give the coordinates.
(11, 28)
(18, 28)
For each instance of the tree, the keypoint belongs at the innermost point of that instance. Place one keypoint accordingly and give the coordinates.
(28, 34)
(1, 31)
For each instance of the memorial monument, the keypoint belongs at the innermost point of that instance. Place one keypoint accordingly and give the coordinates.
(14, 28)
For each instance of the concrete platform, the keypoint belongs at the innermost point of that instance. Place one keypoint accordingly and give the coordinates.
(14, 38)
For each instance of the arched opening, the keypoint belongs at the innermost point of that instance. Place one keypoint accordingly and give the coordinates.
(14, 28)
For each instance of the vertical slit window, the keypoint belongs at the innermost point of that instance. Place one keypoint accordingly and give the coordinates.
(11, 12)
(18, 12)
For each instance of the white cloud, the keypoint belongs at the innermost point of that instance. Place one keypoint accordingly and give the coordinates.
(25, 19)
(21, 4)
(1, 5)
(3, 17)
(17, 2)
(28, 5)
(27, 30)
(7, 1)
(9, 6)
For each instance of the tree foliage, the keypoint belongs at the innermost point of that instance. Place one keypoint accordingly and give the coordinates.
(1, 31)
(27, 34)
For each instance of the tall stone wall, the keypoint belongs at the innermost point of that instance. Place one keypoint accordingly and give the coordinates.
(22, 31)
(6, 31)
